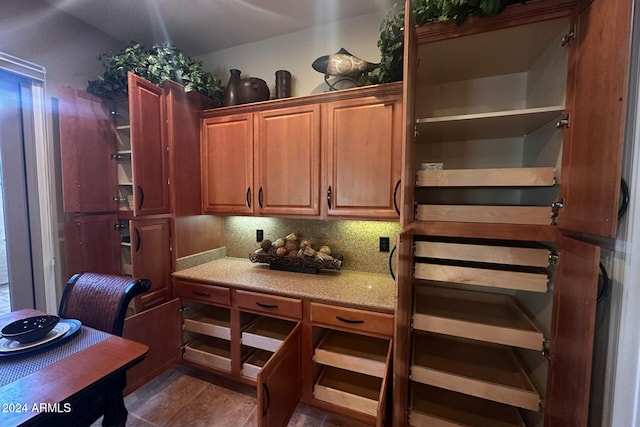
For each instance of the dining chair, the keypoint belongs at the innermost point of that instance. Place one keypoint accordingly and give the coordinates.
(100, 301)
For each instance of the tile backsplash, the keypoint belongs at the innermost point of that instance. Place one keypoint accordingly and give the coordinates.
(357, 241)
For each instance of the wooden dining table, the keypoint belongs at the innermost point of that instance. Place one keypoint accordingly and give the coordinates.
(60, 392)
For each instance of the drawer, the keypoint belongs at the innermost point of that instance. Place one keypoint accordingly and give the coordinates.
(351, 390)
(207, 320)
(269, 304)
(210, 352)
(436, 407)
(353, 352)
(352, 319)
(267, 333)
(253, 364)
(200, 292)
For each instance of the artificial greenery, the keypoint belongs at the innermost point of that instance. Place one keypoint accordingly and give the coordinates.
(391, 37)
(157, 64)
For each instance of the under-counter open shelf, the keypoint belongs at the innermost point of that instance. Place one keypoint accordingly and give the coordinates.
(267, 333)
(488, 371)
(494, 124)
(254, 363)
(208, 320)
(481, 316)
(362, 393)
(211, 352)
(435, 407)
(353, 352)
(506, 255)
(490, 177)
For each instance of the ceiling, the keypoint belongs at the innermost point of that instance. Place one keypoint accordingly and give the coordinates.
(200, 26)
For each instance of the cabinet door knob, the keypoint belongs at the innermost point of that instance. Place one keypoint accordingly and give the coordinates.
(138, 239)
(263, 305)
(395, 197)
(249, 197)
(260, 197)
(141, 192)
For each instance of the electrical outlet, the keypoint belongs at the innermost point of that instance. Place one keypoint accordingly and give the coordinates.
(384, 244)
(259, 235)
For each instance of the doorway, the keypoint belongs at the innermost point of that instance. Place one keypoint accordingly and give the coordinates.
(16, 266)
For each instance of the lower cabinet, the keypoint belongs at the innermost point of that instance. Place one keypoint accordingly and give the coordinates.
(257, 339)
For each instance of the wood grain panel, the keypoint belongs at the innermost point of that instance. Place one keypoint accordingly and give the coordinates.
(534, 215)
(532, 257)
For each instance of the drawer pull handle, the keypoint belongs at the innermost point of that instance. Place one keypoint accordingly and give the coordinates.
(263, 305)
(201, 294)
(353, 322)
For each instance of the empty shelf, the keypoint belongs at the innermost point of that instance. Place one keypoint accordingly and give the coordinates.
(353, 352)
(497, 177)
(531, 257)
(534, 215)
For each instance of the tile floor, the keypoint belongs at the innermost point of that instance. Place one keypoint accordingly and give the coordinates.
(189, 398)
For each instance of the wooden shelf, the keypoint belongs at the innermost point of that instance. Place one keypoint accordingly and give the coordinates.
(531, 257)
(349, 390)
(211, 352)
(481, 316)
(434, 407)
(478, 369)
(214, 322)
(496, 177)
(254, 363)
(266, 333)
(353, 352)
(530, 215)
(496, 124)
(520, 232)
(532, 282)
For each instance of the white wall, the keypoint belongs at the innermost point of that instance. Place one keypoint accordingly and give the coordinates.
(296, 51)
(32, 30)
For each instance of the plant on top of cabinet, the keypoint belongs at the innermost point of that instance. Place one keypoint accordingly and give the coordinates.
(391, 34)
(156, 64)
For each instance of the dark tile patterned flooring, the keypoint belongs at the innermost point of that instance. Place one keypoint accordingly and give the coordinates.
(189, 398)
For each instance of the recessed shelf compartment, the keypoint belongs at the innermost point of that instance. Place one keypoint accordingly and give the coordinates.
(495, 124)
(353, 352)
(210, 320)
(211, 352)
(348, 389)
(266, 333)
(494, 177)
(523, 281)
(532, 215)
(532, 257)
(483, 316)
(435, 407)
(488, 371)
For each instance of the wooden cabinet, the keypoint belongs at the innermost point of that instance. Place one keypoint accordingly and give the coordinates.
(234, 339)
(92, 243)
(491, 321)
(333, 155)
(361, 170)
(352, 359)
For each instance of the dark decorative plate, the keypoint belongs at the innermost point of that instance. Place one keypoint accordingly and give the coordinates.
(65, 329)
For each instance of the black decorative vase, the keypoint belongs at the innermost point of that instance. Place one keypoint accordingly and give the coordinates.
(232, 88)
(283, 84)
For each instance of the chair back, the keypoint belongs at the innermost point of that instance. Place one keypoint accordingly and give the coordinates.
(100, 301)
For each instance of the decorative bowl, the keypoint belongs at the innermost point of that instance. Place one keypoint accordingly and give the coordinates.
(30, 328)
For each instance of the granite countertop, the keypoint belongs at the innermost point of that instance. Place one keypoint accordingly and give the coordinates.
(368, 291)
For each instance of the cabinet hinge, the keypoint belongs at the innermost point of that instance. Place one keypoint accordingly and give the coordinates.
(183, 308)
(119, 199)
(114, 113)
(415, 131)
(119, 226)
(556, 207)
(564, 122)
(116, 157)
(541, 403)
(550, 285)
(553, 258)
(415, 210)
(567, 37)
(184, 346)
(546, 352)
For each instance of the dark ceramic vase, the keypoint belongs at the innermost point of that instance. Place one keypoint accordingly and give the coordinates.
(252, 89)
(283, 84)
(232, 89)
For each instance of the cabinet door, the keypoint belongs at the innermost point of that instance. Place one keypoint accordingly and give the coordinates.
(161, 329)
(278, 383)
(149, 147)
(362, 145)
(92, 243)
(87, 141)
(288, 161)
(597, 98)
(227, 164)
(573, 325)
(151, 259)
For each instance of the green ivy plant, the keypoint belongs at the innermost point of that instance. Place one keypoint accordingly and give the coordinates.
(391, 36)
(156, 64)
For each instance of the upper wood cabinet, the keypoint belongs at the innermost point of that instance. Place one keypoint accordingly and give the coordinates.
(227, 164)
(87, 143)
(288, 161)
(362, 148)
(149, 152)
(331, 155)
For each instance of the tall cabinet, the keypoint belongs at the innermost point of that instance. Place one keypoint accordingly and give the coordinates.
(512, 154)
